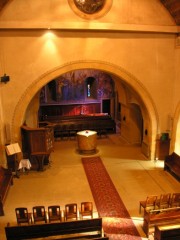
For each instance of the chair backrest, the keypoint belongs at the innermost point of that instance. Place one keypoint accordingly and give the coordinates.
(21, 213)
(165, 198)
(54, 210)
(175, 199)
(151, 200)
(71, 210)
(39, 211)
(87, 209)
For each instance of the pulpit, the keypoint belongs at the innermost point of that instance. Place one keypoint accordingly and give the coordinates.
(37, 144)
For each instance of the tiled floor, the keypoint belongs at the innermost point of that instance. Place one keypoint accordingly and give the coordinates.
(64, 180)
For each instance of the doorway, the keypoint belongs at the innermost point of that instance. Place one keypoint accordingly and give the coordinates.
(106, 106)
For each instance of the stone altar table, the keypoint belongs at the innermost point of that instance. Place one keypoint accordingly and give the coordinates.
(87, 141)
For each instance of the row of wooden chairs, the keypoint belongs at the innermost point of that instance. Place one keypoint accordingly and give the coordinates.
(158, 202)
(53, 213)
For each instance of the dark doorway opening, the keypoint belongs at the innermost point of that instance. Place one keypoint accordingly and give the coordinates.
(106, 106)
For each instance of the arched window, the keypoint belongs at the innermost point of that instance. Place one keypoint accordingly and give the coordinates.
(91, 88)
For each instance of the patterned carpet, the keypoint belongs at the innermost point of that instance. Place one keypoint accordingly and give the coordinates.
(117, 223)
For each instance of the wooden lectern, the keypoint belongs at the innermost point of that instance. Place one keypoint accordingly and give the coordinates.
(12, 150)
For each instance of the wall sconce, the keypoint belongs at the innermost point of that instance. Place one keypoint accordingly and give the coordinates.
(5, 78)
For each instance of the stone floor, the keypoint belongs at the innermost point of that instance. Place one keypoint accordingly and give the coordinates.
(64, 180)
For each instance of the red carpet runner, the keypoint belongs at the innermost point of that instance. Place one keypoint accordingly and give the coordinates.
(117, 223)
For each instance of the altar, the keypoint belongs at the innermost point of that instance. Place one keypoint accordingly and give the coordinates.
(87, 141)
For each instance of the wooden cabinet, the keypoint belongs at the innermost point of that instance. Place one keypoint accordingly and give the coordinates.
(162, 148)
(37, 144)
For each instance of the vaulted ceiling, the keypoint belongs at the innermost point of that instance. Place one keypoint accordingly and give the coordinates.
(173, 6)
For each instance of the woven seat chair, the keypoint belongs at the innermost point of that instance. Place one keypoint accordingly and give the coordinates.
(86, 209)
(71, 211)
(23, 216)
(39, 214)
(54, 213)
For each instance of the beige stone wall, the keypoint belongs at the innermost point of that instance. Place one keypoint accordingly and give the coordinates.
(142, 43)
(56, 12)
(152, 65)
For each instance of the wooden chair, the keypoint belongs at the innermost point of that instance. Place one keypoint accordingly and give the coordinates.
(71, 211)
(149, 203)
(23, 216)
(164, 200)
(64, 132)
(72, 131)
(54, 213)
(39, 214)
(175, 200)
(87, 209)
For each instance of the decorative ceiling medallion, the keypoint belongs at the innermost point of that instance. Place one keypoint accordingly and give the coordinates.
(89, 6)
(90, 9)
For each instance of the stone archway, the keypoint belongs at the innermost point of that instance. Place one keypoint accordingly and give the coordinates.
(99, 65)
(175, 144)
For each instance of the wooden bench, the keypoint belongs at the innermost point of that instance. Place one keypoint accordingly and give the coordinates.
(172, 164)
(89, 228)
(67, 124)
(6, 180)
(160, 217)
(167, 232)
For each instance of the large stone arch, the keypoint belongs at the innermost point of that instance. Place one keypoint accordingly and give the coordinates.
(175, 143)
(104, 66)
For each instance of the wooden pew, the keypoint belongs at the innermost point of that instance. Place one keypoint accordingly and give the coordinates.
(90, 228)
(160, 217)
(6, 180)
(79, 123)
(172, 164)
(167, 232)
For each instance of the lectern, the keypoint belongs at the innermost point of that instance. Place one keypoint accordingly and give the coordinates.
(11, 152)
